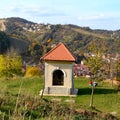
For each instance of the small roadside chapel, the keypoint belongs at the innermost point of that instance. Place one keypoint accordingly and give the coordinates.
(59, 72)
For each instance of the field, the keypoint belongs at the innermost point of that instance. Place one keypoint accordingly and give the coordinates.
(17, 92)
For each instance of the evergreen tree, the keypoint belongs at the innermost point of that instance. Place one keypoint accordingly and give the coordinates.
(4, 42)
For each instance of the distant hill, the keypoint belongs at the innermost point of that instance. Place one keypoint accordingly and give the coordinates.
(23, 33)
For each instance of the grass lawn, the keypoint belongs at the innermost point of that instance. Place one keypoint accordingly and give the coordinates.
(106, 98)
(27, 86)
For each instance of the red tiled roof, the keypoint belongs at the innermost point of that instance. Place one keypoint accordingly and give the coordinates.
(59, 53)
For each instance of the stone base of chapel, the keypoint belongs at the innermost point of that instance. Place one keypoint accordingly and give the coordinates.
(59, 91)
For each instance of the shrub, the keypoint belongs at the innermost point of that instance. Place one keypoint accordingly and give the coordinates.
(32, 71)
(10, 66)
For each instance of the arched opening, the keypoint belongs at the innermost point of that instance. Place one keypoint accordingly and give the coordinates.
(58, 77)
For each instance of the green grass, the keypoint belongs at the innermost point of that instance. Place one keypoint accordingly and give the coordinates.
(106, 98)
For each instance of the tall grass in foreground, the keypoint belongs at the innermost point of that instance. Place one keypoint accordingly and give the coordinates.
(20, 100)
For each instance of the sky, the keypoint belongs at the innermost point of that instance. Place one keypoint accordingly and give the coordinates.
(96, 14)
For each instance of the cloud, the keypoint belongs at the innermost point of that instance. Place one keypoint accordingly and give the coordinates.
(101, 21)
(91, 17)
(99, 17)
(35, 11)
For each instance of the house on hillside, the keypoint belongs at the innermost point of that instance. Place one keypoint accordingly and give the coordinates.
(81, 70)
(59, 64)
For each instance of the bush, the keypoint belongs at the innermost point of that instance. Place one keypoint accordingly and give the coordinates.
(32, 71)
(10, 66)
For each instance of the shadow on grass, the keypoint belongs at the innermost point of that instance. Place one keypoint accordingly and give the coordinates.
(87, 91)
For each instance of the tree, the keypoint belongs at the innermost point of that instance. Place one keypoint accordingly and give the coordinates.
(35, 50)
(95, 62)
(117, 69)
(10, 66)
(4, 42)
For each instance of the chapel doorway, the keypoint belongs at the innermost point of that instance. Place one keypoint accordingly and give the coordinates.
(58, 77)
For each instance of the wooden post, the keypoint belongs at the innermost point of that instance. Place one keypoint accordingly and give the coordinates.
(92, 93)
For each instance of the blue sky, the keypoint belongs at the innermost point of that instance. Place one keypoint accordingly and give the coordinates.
(97, 14)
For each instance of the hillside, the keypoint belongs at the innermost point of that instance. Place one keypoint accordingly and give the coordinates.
(23, 33)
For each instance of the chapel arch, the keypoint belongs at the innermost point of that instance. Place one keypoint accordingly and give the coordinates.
(58, 77)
